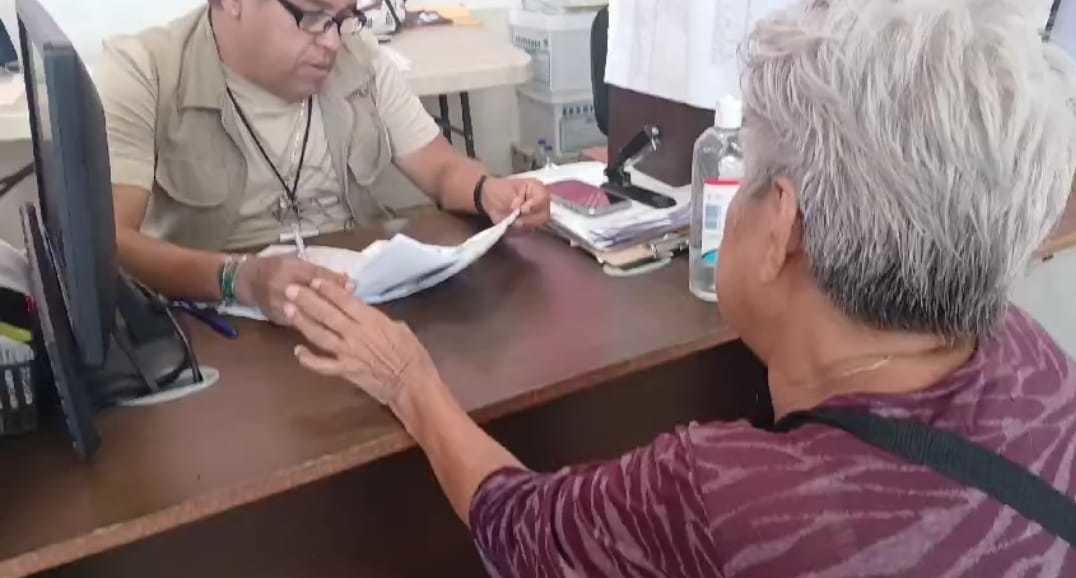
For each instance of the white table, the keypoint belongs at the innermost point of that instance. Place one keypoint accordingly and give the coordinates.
(14, 118)
(458, 59)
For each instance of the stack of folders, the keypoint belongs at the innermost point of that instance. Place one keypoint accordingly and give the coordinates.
(624, 238)
(18, 408)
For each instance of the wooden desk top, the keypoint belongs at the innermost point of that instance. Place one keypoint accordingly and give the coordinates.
(531, 321)
(449, 59)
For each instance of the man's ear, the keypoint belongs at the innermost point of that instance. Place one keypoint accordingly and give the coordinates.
(780, 212)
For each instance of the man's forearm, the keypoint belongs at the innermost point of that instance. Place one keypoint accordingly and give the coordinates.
(457, 185)
(174, 271)
(444, 174)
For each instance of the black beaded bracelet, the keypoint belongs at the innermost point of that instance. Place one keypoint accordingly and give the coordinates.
(478, 196)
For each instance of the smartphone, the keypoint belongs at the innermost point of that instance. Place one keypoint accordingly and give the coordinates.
(586, 199)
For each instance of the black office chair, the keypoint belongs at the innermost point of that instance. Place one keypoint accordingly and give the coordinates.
(599, 46)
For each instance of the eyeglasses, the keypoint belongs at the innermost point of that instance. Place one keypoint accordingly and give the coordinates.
(350, 21)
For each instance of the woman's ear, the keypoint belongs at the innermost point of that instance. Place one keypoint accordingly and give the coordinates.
(780, 210)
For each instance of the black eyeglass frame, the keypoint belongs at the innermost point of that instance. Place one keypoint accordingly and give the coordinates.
(317, 23)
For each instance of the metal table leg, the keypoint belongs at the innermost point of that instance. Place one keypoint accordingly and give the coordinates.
(445, 121)
(468, 128)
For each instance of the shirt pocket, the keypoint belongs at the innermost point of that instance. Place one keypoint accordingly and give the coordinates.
(192, 205)
(196, 182)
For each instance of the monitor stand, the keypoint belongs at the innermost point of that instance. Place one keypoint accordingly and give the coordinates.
(69, 392)
(149, 356)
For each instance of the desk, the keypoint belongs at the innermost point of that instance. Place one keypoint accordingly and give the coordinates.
(533, 326)
(459, 59)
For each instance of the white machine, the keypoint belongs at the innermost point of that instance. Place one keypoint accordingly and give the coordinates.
(384, 17)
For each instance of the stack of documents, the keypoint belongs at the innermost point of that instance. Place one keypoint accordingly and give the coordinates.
(393, 269)
(622, 229)
(631, 226)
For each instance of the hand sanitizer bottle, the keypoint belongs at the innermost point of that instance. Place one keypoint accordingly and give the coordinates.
(717, 167)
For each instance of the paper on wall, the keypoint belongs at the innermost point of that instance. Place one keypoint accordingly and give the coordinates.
(682, 51)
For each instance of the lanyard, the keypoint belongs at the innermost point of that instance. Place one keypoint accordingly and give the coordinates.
(290, 192)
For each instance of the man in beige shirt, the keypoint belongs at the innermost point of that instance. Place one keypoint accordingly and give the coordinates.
(248, 122)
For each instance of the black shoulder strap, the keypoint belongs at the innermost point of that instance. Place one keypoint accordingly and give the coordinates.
(957, 459)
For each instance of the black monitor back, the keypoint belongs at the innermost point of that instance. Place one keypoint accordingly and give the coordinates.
(73, 177)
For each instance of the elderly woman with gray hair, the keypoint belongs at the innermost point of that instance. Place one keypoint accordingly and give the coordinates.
(904, 159)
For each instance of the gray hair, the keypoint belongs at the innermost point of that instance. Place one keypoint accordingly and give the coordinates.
(933, 143)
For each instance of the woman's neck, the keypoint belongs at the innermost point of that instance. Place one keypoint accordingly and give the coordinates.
(845, 358)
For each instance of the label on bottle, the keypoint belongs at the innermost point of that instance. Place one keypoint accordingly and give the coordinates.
(717, 196)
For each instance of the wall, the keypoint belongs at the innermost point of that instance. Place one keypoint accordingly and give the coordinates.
(1048, 293)
(87, 21)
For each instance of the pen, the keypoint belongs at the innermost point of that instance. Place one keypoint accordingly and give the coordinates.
(214, 320)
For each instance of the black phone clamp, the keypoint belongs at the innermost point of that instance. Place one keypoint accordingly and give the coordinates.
(619, 179)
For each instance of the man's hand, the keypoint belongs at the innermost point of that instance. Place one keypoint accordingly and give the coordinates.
(501, 197)
(262, 281)
(358, 343)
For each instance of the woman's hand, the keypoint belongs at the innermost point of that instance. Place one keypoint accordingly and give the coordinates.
(357, 342)
(385, 359)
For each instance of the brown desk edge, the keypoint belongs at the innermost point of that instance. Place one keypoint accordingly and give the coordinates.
(497, 331)
(1063, 236)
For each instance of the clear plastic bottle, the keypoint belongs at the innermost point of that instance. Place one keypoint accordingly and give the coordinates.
(541, 154)
(549, 156)
(717, 167)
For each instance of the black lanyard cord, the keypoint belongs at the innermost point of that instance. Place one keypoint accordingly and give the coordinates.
(293, 190)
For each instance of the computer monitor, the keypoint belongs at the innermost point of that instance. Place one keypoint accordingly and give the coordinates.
(125, 343)
(73, 177)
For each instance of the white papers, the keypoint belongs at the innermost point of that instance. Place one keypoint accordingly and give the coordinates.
(393, 269)
(682, 51)
(635, 224)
